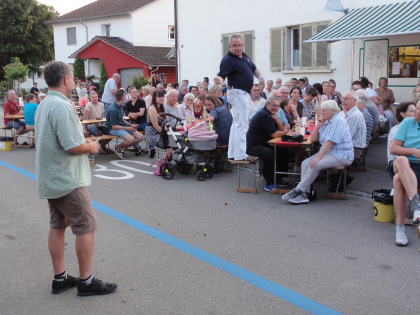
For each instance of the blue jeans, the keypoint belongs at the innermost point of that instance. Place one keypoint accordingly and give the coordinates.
(93, 129)
(106, 105)
(142, 127)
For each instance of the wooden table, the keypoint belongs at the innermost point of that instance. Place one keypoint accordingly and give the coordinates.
(277, 142)
(15, 117)
(93, 121)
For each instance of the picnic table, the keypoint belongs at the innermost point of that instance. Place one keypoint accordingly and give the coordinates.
(278, 142)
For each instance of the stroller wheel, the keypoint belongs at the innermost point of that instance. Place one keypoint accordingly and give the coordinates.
(167, 170)
(183, 167)
(208, 171)
(201, 175)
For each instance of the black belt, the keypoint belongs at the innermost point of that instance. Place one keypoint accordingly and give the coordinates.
(232, 87)
(149, 124)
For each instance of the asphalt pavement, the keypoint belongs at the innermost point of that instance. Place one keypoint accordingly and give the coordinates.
(182, 246)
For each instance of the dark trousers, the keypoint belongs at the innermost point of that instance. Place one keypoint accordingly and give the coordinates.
(266, 154)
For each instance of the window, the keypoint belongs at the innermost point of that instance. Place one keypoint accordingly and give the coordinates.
(71, 36)
(106, 30)
(248, 41)
(288, 50)
(404, 62)
(171, 32)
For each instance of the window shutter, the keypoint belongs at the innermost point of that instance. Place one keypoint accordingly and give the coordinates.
(248, 38)
(225, 44)
(322, 50)
(305, 48)
(276, 49)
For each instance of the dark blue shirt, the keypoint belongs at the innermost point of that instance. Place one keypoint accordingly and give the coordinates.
(239, 71)
(114, 116)
(261, 127)
(221, 124)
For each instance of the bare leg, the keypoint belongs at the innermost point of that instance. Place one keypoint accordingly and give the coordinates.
(56, 248)
(129, 140)
(406, 175)
(84, 251)
(400, 200)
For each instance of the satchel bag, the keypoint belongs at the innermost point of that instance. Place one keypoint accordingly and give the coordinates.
(163, 141)
(295, 138)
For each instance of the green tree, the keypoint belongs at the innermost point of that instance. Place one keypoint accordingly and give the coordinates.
(24, 34)
(79, 68)
(16, 71)
(103, 78)
(139, 81)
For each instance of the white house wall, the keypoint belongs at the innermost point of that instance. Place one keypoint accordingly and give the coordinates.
(120, 27)
(150, 24)
(201, 24)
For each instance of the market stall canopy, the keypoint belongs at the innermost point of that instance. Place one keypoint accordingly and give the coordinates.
(378, 21)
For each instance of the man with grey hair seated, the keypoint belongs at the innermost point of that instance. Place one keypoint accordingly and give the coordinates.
(356, 123)
(362, 99)
(171, 106)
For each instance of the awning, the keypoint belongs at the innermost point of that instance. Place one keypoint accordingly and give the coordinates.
(379, 21)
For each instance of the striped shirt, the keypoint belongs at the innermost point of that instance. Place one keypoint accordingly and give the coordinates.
(357, 127)
(368, 123)
(336, 130)
(58, 130)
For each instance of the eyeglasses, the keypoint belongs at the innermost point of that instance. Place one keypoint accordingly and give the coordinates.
(188, 99)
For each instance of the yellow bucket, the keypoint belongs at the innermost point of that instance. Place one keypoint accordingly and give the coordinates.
(383, 213)
(5, 145)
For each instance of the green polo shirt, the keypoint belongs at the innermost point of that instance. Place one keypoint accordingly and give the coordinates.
(58, 130)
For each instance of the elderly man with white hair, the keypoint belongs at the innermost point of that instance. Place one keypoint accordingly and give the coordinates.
(171, 106)
(356, 123)
(336, 150)
(108, 97)
(362, 100)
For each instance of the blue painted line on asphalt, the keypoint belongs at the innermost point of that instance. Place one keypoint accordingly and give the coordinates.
(250, 277)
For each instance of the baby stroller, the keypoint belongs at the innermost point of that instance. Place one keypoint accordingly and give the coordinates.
(188, 147)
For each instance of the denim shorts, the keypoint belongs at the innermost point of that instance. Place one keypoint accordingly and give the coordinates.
(120, 133)
(414, 166)
(15, 124)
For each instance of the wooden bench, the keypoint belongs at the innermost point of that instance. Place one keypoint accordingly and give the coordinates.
(343, 175)
(254, 171)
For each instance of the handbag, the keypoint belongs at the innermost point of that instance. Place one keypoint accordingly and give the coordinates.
(159, 163)
(294, 138)
(163, 141)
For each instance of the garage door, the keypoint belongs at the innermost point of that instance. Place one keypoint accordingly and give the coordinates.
(127, 75)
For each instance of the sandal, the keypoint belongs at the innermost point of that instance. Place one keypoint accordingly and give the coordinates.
(108, 151)
(100, 150)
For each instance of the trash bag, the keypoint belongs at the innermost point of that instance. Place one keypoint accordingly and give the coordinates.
(383, 196)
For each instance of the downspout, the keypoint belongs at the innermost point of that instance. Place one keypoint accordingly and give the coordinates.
(87, 39)
(352, 62)
(176, 41)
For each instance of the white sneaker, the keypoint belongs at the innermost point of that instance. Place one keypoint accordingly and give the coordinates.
(400, 239)
(299, 199)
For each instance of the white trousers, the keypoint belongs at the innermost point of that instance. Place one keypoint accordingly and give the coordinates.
(241, 103)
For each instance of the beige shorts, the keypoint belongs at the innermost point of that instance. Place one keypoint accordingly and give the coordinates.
(75, 210)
